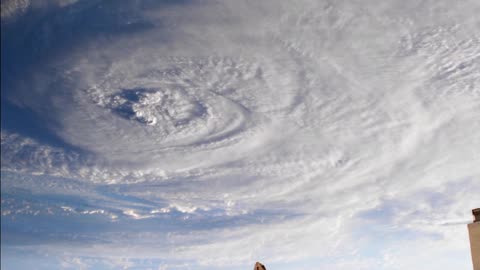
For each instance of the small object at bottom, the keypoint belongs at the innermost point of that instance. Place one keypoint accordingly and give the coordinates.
(259, 266)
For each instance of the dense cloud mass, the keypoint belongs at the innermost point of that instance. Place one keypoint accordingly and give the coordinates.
(202, 134)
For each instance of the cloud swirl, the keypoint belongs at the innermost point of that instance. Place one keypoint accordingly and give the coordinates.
(200, 134)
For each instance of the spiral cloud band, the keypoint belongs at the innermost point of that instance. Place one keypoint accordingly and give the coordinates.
(206, 134)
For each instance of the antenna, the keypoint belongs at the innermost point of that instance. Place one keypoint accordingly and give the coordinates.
(476, 214)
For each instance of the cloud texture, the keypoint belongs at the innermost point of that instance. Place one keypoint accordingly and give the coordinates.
(204, 134)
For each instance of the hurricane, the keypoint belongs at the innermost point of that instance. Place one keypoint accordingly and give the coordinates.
(204, 134)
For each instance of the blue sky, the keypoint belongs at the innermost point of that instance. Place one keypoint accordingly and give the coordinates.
(213, 134)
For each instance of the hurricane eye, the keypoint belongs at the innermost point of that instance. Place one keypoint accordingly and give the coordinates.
(182, 103)
(139, 104)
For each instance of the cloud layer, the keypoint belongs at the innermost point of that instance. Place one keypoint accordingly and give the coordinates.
(200, 134)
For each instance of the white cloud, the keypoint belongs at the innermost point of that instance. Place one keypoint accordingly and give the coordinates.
(230, 132)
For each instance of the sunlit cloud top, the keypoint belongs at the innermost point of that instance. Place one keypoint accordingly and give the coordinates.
(214, 134)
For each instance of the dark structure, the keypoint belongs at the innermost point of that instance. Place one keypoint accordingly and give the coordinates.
(259, 266)
(476, 214)
(474, 233)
